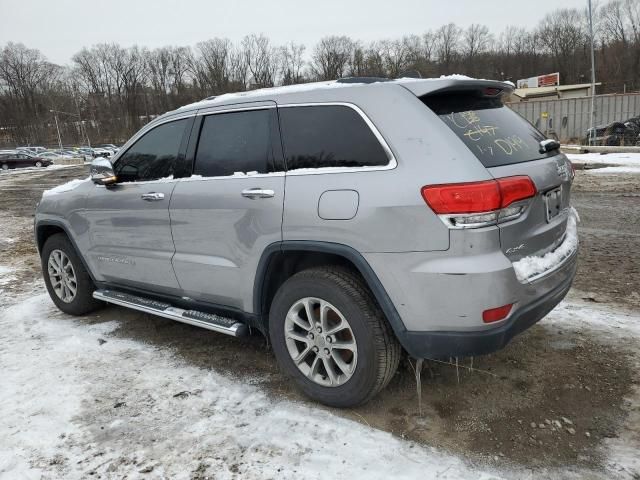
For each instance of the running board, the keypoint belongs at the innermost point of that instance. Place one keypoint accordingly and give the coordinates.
(166, 310)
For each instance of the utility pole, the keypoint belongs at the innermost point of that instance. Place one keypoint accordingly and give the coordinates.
(593, 77)
(55, 116)
(83, 129)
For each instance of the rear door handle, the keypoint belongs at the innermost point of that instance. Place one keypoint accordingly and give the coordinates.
(152, 196)
(254, 193)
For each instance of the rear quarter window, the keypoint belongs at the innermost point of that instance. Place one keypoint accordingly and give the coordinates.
(493, 132)
(323, 136)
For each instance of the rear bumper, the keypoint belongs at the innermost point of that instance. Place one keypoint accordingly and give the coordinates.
(469, 343)
(440, 299)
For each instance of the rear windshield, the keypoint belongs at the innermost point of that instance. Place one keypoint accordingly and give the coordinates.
(493, 132)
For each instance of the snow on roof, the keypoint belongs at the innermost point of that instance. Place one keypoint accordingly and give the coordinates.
(307, 87)
(270, 91)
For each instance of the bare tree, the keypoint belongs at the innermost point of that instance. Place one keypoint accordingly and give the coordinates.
(395, 56)
(447, 40)
(562, 33)
(476, 41)
(292, 65)
(331, 57)
(262, 60)
(114, 89)
(28, 79)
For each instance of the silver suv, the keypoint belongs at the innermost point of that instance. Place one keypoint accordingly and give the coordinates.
(345, 221)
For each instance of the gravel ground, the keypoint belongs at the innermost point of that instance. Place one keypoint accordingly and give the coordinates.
(561, 400)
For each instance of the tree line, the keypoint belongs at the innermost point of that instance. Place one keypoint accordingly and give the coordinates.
(107, 91)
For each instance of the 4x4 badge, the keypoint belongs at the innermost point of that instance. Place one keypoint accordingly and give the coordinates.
(515, 249)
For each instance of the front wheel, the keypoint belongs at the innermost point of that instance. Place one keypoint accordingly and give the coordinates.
(38, 164)
(5, 166)
(67, 281)
(330, 336)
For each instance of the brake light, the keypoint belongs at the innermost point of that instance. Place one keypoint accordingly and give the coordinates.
(463, 197)
(514, 189)
(475, 204)
(491, 91)
(496, 314)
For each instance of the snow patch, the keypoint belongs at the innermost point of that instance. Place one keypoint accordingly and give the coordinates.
(613, 170)
(27, 170)
(7, 275)
(623, 159)
(56, 393)
(527, 267)
(60, 417)
(610, 323)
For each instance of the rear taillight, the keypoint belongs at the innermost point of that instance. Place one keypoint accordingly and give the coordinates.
(476, 204)
(463, 197)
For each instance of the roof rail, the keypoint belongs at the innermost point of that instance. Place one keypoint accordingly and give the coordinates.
(362, 79)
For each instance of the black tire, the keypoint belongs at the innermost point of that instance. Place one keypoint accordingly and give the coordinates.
(38, 164)
(83, 302)
(377, 348)
(5, 166)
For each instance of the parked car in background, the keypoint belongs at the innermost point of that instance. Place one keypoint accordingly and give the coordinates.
(19, 159)
(86, 153)
(615, 133)
(51, 155)
(34, 150)
(109, 146)
(103, 152)
(71, 153)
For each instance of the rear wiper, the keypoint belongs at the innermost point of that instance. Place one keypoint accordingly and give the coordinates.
(548, 145)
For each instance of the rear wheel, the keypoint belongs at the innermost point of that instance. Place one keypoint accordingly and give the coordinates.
(67, 281)
(5, 166)
(330, 336)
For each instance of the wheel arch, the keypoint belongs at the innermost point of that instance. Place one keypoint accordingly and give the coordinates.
(273, 269)
(47, 228)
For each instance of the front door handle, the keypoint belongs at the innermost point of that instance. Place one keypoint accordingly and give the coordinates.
(152, 196)
(254, 193)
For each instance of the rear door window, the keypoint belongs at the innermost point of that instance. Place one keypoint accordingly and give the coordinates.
(493, 132)
(328, 136)
(236, 143)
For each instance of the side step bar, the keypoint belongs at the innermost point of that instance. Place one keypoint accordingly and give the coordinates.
(192, 317)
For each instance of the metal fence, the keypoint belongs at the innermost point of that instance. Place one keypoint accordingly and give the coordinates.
(568, 118)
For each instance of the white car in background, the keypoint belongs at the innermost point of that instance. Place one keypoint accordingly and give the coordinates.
(50, 155)
(103, 152)
(32, 150)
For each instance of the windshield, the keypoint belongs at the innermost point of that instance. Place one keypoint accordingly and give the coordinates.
(493, 132)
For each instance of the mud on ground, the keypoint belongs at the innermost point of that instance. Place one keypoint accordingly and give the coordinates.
(509, 411)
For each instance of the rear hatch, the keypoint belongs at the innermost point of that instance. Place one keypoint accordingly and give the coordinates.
(507, 145)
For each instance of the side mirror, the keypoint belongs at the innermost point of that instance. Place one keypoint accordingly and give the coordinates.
(102, 171)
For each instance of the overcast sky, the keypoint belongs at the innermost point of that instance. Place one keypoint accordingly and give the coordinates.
(59, 28)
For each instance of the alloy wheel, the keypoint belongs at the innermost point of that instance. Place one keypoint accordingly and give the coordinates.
(320, 342)
(62, 276)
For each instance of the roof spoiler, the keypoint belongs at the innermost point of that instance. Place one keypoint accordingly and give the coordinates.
(489, 88)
